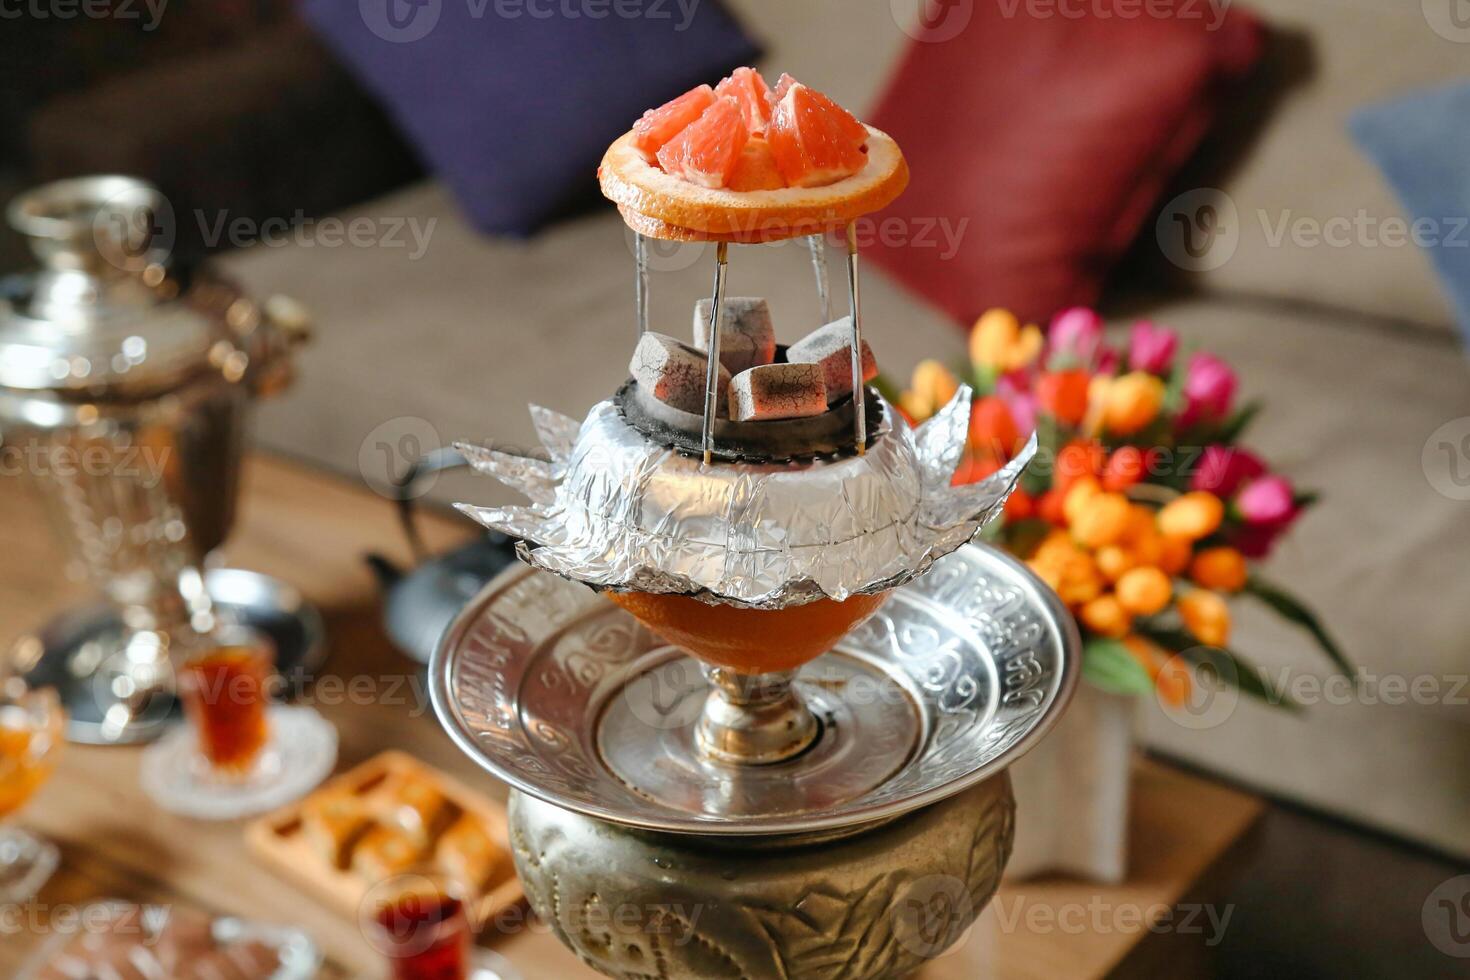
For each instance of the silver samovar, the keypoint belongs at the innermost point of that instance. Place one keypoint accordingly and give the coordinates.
(124, 386)
(755, 691)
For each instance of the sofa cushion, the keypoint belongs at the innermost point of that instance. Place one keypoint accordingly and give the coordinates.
(513, 105)
(1301, 190)
(1043, 143)
(1421, 143)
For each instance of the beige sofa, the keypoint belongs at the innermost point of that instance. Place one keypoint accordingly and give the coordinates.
(1352, 346)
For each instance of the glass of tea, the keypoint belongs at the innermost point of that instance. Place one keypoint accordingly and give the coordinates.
(31, 733)
(418, 922)
(225, 687)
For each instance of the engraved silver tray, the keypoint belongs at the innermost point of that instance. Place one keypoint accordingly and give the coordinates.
(955, 677)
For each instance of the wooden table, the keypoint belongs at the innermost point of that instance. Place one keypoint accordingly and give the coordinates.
(313, 531)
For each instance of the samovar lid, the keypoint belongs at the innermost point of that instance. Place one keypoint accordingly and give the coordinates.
(103, 315)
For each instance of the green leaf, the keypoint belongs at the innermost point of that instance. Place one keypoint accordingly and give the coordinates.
(1037, 478)
(1108, 665)
(1293, 610)
(1303, 499)
(1227, 664)
(1236, 424)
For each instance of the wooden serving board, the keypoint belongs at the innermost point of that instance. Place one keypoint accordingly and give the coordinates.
(279, 841)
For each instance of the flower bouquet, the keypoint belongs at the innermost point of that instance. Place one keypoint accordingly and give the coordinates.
(1142, 509)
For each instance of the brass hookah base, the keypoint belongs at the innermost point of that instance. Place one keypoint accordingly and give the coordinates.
(866, 902)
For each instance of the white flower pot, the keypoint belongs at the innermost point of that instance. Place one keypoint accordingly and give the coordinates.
(1072, 792)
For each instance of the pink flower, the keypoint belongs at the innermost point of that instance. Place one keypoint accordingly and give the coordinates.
(1107, 361)
(1267, 501)
(1076, 333)
(1209, 390)
(1015, 391)
(1222, 469)
(1151, 348)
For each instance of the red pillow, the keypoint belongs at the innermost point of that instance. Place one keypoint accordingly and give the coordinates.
(1039, 144)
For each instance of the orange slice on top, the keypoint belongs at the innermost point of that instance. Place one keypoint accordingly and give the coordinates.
(723, 214)
(743, 163)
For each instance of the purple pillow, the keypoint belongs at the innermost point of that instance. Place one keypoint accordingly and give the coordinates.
(512, 102)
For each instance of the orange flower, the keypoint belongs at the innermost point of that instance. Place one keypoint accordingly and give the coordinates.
(1170, 672)
(1144, 591)
(1049, 508)
(1101, 519)
(1078, 494)
(1077, 459)
(1222, 569)
(999, 344)
(1106, 616)
(930, 389)
(1133, 401)
(992, 429)
(1141, 536)
(1064, 395)
(1124, 468)
(1193, 516)
(1019, 505)
(1174, 554)
(1113, 560)
(1206, 616)
(1173, 682)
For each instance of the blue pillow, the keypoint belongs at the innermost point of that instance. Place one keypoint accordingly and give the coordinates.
(1422, 144)
(512, 102)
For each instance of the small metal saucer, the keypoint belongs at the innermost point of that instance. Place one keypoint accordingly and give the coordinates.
(555, 690)
(83, 653)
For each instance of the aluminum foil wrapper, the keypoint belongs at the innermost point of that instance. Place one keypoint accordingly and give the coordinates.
(613, 510)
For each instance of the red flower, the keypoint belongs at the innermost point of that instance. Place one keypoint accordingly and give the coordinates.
(1063, 394)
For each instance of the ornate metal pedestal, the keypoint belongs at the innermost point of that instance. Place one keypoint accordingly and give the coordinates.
(867, 853)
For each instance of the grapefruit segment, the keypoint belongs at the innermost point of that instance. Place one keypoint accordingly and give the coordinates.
(783, 85)
(750, 91)
(756, 169)
(657, 126)
(814, 140)
(706, 151)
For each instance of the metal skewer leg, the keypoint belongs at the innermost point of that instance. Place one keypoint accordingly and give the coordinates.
(640, 286)
(712, 368)
(818, 245)
(859, 394)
